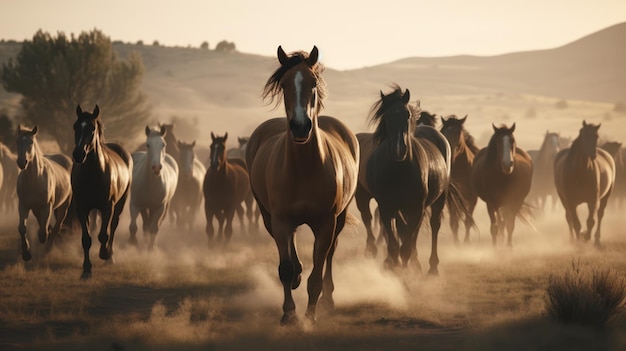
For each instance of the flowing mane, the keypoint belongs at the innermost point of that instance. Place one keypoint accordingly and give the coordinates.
(272, 88)
(378, 110)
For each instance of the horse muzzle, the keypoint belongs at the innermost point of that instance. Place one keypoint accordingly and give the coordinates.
(300, 131)
(22, 162)
(79, 155)
(507, 168)
(156, 169)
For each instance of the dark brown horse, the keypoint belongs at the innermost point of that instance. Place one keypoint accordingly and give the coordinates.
(226, 185)
(43, 187)
(303, 170)
(618, 195)
(408, 172)
(425, 118)
(543, 171)
(363, 195)
(464, 150)
(101, 179)
(584, 173)
(501, 176)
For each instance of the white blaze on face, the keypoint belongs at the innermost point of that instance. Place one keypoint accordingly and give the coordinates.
(155, 151)
(300, 114)
(82, 132)
(507, 153)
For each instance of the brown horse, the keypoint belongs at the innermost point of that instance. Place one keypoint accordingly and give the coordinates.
(584, 173)
(501, 176)
(101, 179)
(226, 185)
(43, 187)
(188, 196)
(303, 170)
(363, 195)
(543, 171)
(464, 150)
(408, 172)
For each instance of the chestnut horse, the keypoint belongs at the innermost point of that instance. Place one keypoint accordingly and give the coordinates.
(303, 170)
(584, 173)
(101, 180)
(501, 176)
(464, 150)
(43, 187)
(226, 185)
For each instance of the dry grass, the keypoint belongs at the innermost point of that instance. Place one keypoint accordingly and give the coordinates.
(586, 295)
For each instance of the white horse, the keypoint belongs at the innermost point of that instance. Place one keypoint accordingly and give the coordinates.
(155, 176)
(188, 195)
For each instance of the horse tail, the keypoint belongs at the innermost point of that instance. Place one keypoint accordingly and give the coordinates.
(457, 204)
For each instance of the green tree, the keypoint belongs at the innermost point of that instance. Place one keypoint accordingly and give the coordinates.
(54, 74)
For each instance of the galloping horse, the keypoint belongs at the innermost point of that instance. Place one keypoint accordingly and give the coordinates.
(43, 187)
(226, 185)
(501, 176)
(101, 180)
(584, 173)
(191, 173)
(303, 170)
(543, 171)
(464, 150)
(155, 176)
(239, 151)
(408, 171)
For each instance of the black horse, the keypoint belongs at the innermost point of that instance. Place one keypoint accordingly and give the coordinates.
(101, 178)
(408, 171)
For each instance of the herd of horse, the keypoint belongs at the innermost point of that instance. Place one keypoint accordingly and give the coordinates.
(305, 168)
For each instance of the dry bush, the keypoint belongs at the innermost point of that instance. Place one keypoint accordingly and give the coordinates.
(585, 295)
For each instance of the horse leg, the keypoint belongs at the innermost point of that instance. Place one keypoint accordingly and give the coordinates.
(134, 212)
(103, 236)
(509, 219)
(59, 216)
(219, 215)
(83, 218)
(326, 300)
(156, 215)
(592, 207)
(576, 226)
(228, 216)
(469, 220)
(324, 232)
(240, 214)
(208, 213)
(363, 204)
(283, 234)
(436, 213)
(601, 208)
(493, 213)
(407, 232)
(21, 228)
(43, 219)
(393, 246)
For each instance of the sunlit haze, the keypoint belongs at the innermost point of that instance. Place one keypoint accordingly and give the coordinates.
(350, 34)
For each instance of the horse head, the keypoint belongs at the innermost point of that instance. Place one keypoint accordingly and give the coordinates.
(505, 145)
(452, 129)
(588, 136)
(187, 157)
(395, 122)
(87, 129)
(303, 89)
(155, 144)
(218, 151)
(25, 142)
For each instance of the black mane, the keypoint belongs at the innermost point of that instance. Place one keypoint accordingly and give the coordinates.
(378, 110)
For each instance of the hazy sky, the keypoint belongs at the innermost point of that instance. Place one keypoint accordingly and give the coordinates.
(349, 34)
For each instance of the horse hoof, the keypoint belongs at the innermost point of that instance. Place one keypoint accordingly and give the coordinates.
(104, 253)
(85, 276)
(42, 238)
(327, 303)
(26, 256)
(289, 319)
(434, 272)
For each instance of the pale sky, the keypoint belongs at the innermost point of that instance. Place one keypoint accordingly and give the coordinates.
(350, 34)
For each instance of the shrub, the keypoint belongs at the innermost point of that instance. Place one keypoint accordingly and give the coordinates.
(585, 295)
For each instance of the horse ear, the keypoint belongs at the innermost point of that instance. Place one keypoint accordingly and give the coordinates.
(282, 56)
(382, 95)
(163, 131)
(512, 129)
(313, 57)
(495, 129)
(407, 96)
(463, 119)
(147, 130)
(443, 119)
(79, 111)
(598, 126)
(584, 123)
(225, 136)
(34, 130)
(96, 111)
(212, 136)
(193, 143)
